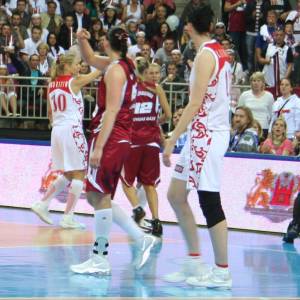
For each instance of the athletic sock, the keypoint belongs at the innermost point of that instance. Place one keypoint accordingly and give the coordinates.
(103, 222)
(222, 266)
(126, 222)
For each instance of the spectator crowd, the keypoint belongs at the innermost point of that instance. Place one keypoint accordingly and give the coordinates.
(261, 38)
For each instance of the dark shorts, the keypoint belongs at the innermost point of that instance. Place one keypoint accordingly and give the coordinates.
(142, 164)
(105, 178)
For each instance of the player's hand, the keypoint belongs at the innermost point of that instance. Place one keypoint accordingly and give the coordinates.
(95, 158)
(83, 34)
(169, 147)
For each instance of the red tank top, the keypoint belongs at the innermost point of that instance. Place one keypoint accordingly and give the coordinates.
(146, 112)
(123, 123)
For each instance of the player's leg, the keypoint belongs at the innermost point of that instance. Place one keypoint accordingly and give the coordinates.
(41, 208)
(76, 179)
(149, 177)
(130, 170)
(98, 262)
(193, 263)
(210, 203)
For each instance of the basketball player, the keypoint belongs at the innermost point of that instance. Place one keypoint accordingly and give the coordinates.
(143, 162)
(200, 163)
(109, 147)
(68, 144)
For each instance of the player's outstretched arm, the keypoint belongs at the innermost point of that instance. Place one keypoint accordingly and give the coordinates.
(82, 80)
(99, 62)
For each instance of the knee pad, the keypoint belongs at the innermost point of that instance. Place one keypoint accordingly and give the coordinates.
(296, 210)
(210, 203)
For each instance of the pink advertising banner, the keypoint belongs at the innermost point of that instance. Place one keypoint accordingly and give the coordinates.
(257, 194)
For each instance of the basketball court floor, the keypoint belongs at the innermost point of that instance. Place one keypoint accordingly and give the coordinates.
(35, 259)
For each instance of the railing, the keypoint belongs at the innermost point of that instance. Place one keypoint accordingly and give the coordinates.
(26, 97)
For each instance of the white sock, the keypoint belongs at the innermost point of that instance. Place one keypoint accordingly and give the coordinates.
(54, 189)
(73, 195)
(126, 222)
(103, 222)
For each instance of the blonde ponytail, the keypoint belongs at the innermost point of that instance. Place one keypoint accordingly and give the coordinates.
(58, 66)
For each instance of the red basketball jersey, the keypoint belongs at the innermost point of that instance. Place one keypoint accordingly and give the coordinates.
(123, 123)
(146, 112)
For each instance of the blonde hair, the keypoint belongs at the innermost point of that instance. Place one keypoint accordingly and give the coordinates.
(259, 131)
(258, 76)
(58, 66)
(43, 45)
(155, 65)
(284, 137)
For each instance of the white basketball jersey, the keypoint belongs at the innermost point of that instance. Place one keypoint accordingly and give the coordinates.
(67, 108)
(214, 113)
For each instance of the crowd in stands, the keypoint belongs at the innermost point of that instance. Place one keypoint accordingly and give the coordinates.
(261, 38)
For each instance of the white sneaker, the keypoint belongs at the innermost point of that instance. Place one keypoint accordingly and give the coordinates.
(191, 267)
(42, 211)
(68, 222)
(217, 278)
(145, 246)
(96, 264)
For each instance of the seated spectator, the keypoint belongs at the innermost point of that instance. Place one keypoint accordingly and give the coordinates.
(265, 37)
(153, 25)
(81, 19)
(54, 49)
(110, 18)
(132, 30)
(141, 40)
(36, 20)
(50, 20)
(146, 52)
(288, 107)
(164, 55)
(21, 9)
(243, 137)
(41, 6)
(133, 12)
(281, 7)
(8, 96)
(289, 35)
(94, 9)
(278, 143)
(182, 69)
(45, 60)
(294, 18)
(158, 40)
(16, 24)
(278, 56)
(96, 32)
(7, 38)
(259, 132)
(227, 44)
(220, 32)
(238, 75)
(64, 36)
(258, 100)
(31, 44)
(31, 92)
(151, 9)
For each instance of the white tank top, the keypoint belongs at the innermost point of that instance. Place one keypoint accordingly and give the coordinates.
(67, 108)
(135, 15)
(214, 113)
